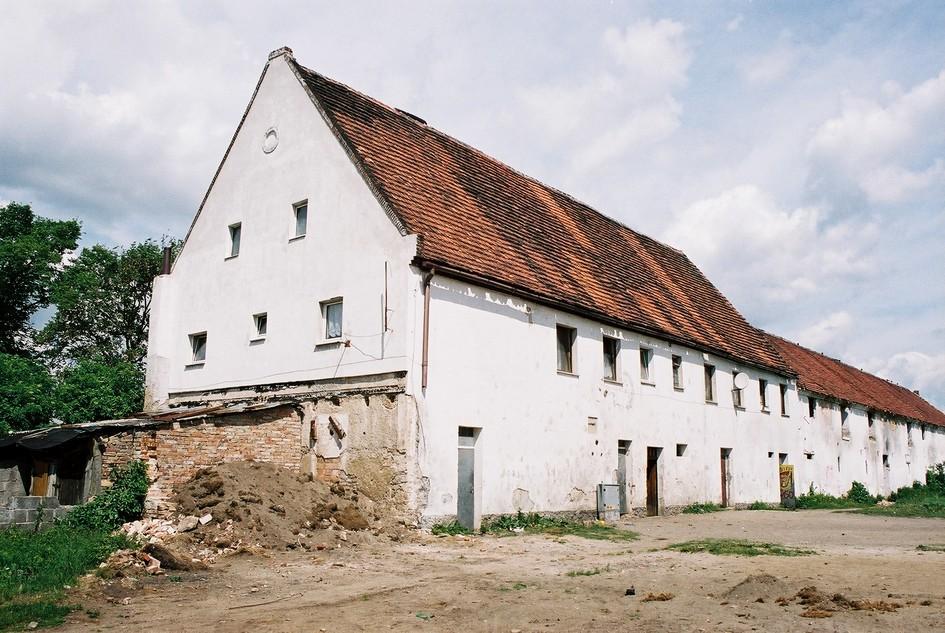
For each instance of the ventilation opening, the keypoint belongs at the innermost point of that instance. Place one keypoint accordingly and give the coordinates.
(681, 449)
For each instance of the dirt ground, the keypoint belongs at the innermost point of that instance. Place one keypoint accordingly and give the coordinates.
(521, 583)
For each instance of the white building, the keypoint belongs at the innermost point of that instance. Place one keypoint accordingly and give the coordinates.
(461, 339)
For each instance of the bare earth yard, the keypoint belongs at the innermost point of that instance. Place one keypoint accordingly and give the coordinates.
(521, 583)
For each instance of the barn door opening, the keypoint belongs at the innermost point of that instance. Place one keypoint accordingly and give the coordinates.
(466, 478)
(726, 454)
(623, 456)
(652, 480)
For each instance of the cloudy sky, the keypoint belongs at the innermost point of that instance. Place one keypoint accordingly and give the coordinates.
(795, 150)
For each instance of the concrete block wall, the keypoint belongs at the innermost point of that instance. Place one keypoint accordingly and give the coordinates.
(11, 483)
(28, 513)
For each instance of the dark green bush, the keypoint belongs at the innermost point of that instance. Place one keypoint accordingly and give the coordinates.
(859, 494)
(121, 503)
(935, 479)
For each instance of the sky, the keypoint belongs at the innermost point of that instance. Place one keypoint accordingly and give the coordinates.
(794, 150)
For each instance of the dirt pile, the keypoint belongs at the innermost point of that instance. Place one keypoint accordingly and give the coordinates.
(758, 588)
(249, 505)
(823, 605)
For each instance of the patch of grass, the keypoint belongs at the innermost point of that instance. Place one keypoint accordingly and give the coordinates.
(738, 547)
(46, 613)
(931, 548)
(702, 508)
(452, 528)
(534, 523)
(760, 505)
(587, 572)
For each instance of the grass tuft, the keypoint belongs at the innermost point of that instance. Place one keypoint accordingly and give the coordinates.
(737, 547)
(702, 508)
(534, 523)
(45, 613)
(931, 548)
(450, 529)
(588, 572)
(760, 505)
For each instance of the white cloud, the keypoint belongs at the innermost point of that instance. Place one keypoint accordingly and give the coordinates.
(771, 66)
(755, 250)
(627, 102)
(735, 23)
(874, 146)
(915, 370)
(826, 331)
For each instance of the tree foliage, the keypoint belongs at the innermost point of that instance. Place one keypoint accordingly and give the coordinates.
(25, 394)
(95, 390)
(31, 250)
(103, 302)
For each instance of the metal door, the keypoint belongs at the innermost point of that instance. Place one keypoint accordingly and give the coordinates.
(466, 478)
(623, 451)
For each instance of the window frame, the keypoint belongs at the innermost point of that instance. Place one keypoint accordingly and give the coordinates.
(738, 400)
(811, 407)
(845, 433)
(258, 336)
(782, 394)
(295, 216)
(614, 343)
(871, 425)
(192, 340)
(763, 394)
(677, 365)
(324, 338)
(235, 232)
(569, 349)
(708, 376)
(646, 361)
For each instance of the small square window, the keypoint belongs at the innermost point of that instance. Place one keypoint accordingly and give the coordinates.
(566, 337)
(782, 458)
(261, 322)
(677, 372)
(645, 356)
(332, 312)
(710, 383)
(301, 218)
(783, 393)
(198, 347)
(763, 393)
(236, 231)
(681, 449)
(885, 461)
(611, 353)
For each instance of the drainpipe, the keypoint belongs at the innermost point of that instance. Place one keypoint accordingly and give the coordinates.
(166, 264)
(427, 278)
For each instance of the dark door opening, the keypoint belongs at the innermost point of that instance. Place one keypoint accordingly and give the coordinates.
(652, 481)
(466, 478)
(623, 452)
(726, 475)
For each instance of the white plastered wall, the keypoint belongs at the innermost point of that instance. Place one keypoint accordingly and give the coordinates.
(348, 242)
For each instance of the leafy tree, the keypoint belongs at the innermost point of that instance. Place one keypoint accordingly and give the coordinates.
(95, 389)
(103, 302)
(31, 251)
(25, 394)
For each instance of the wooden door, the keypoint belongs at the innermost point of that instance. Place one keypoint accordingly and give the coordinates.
(725, 475)
(652, 481)
(40, 484)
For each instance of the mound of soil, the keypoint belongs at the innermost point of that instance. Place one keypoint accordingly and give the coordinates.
(758, 588)
(257, 505)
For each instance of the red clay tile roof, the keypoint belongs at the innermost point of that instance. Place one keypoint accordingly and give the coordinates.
(830, 377)
(476, 215)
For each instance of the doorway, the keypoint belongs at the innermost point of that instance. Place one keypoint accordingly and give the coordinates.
(652, 480)
(466, 478)
(623, 455)
(726, 454)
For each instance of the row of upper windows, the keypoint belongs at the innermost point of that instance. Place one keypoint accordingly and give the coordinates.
(331, 315)
(299, 213)
(567, 337)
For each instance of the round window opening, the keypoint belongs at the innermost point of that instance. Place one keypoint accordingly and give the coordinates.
(270, 141)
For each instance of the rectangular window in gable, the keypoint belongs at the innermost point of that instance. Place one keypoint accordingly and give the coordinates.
(611, 354)
(736, 392)
(565, 344)
(844, 423)
(811, 406)
(871, 424)
(236, 231)
(763, 393)
(198, 347)
(300, 211)
(783, 393)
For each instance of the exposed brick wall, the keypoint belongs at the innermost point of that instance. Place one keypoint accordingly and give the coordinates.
(174, 455)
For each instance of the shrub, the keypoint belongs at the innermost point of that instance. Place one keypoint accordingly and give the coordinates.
(121, 503)
(935, 479)
(451, 528)
(859, 494)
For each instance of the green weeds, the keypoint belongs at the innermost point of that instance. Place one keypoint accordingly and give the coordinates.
(737, 547)
(534, 523)
(449, 529)
(702, 508)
